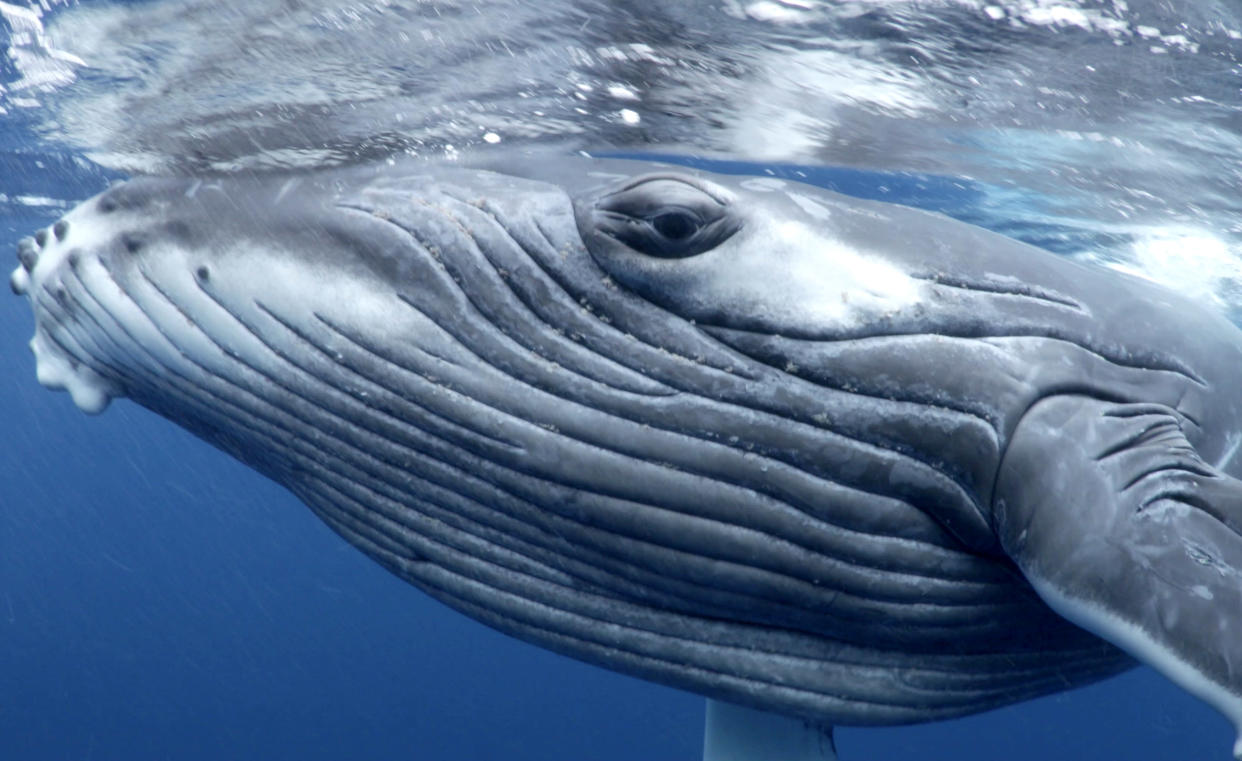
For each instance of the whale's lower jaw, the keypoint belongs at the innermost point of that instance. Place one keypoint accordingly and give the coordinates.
(433, 377)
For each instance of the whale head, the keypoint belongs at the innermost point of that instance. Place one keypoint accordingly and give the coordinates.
(631, 413)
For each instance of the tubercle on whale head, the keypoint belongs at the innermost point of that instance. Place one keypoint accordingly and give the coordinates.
(42, 257)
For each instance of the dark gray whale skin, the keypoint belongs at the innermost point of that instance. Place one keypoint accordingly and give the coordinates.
(830, 458)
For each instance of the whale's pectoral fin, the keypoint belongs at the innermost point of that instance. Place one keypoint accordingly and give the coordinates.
(736, 733)
(1122, 528)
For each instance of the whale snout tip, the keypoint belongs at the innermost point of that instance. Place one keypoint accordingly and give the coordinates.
(40, 258)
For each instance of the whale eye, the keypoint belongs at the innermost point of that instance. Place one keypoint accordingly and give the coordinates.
(676, 224)
(671, 217)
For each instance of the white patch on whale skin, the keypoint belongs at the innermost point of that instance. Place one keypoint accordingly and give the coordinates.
(810, 206)
(162, 322)
(822, 281)
(212, 323)
(1138, 643)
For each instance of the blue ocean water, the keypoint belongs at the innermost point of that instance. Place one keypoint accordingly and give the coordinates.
(160, 601)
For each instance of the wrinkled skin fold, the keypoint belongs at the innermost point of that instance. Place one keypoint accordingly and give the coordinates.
(828, 458)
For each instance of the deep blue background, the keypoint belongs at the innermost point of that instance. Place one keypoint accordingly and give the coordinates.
(160, 601)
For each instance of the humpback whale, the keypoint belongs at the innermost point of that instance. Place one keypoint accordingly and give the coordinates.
(812, 457)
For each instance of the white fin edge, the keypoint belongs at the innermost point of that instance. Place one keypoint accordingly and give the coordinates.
(1138, 643)
(734, 733)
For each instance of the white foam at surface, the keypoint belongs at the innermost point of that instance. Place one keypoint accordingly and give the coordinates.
(1194, 262)
(770, 121)
(30, 200)
(41, 65)
(21, 20)
(1055, 13)
(778, 12)
(621, 92)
